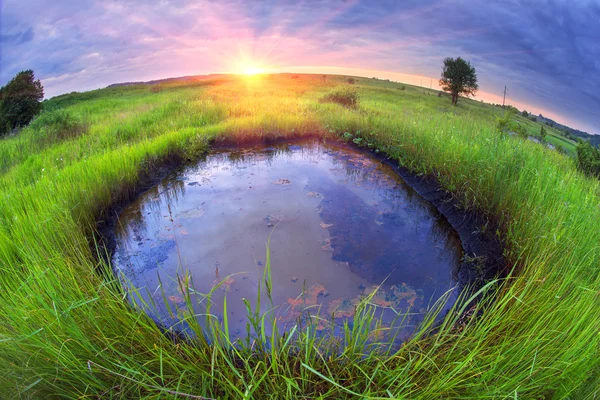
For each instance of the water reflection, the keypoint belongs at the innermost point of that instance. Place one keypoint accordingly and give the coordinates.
(340, 224)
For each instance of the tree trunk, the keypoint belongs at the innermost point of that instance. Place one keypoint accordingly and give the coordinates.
(454, 98)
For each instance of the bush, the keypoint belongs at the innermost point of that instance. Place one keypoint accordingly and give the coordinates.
(520, 131)
(588, 159)
(343, 95)
(57, 125)
(543, 134)
(351, 81)
(502, 122)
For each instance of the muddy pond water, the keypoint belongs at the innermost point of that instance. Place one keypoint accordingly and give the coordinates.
(339, 223)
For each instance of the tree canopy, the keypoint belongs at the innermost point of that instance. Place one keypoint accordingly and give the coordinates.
(458, 77)
(20, 101)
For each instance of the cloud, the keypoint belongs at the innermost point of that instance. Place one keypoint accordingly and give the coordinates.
(546, 52)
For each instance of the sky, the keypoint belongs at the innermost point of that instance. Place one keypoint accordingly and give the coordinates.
(547, 53)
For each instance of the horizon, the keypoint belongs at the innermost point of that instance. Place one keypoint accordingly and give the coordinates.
(544, 53)
(414, 80)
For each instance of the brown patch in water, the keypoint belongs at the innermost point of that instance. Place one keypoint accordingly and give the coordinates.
(343, 308)
(379, 296)
(326, 244)
(177, 299)
(324, 225)
(404, 292)
(282, 182)
(309, 297)
(224, 284)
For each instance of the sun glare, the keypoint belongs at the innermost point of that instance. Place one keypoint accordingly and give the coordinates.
(253, 70)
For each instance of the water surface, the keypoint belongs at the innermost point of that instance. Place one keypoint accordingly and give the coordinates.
(339, 222)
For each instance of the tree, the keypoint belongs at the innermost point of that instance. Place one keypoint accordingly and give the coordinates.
(20, 101)
(458, 77)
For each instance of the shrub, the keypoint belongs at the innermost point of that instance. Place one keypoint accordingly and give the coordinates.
(543, 134)
(343, 95)
(403, 87)
(501, 122)
(588, 159)
(351, 81)
(520, 131)
(59, 124)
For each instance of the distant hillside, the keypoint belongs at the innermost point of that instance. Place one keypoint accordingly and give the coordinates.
(572, 133)
(166, 80)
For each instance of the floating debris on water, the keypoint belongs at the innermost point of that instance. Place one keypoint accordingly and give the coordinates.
(177, 299)
(404, 292)
(343, 308)
(326, 244)
(224, 284)
(282, 182)
(378, 296)
(273, 219)
(191, 213)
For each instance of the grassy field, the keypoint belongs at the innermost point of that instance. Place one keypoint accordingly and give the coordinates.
(66, 329)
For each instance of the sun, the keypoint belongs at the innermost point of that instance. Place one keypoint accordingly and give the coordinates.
(253, 70)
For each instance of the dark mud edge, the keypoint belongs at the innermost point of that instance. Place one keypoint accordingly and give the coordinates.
(483, 258)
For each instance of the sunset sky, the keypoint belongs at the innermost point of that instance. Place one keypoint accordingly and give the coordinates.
(547, 53)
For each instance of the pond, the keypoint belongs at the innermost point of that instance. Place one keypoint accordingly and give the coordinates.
(339, 224)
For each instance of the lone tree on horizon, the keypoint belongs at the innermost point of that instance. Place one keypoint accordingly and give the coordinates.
(20, 101)
(458, 77)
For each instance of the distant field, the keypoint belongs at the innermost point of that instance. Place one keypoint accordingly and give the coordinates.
(67, 330)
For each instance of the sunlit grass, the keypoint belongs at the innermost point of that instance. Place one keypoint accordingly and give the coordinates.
(66, 328)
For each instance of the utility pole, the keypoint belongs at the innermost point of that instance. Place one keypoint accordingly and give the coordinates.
(430, 83)
(504, 99)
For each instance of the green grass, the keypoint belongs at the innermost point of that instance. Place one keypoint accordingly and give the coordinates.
(66, 329)
(553, 135)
